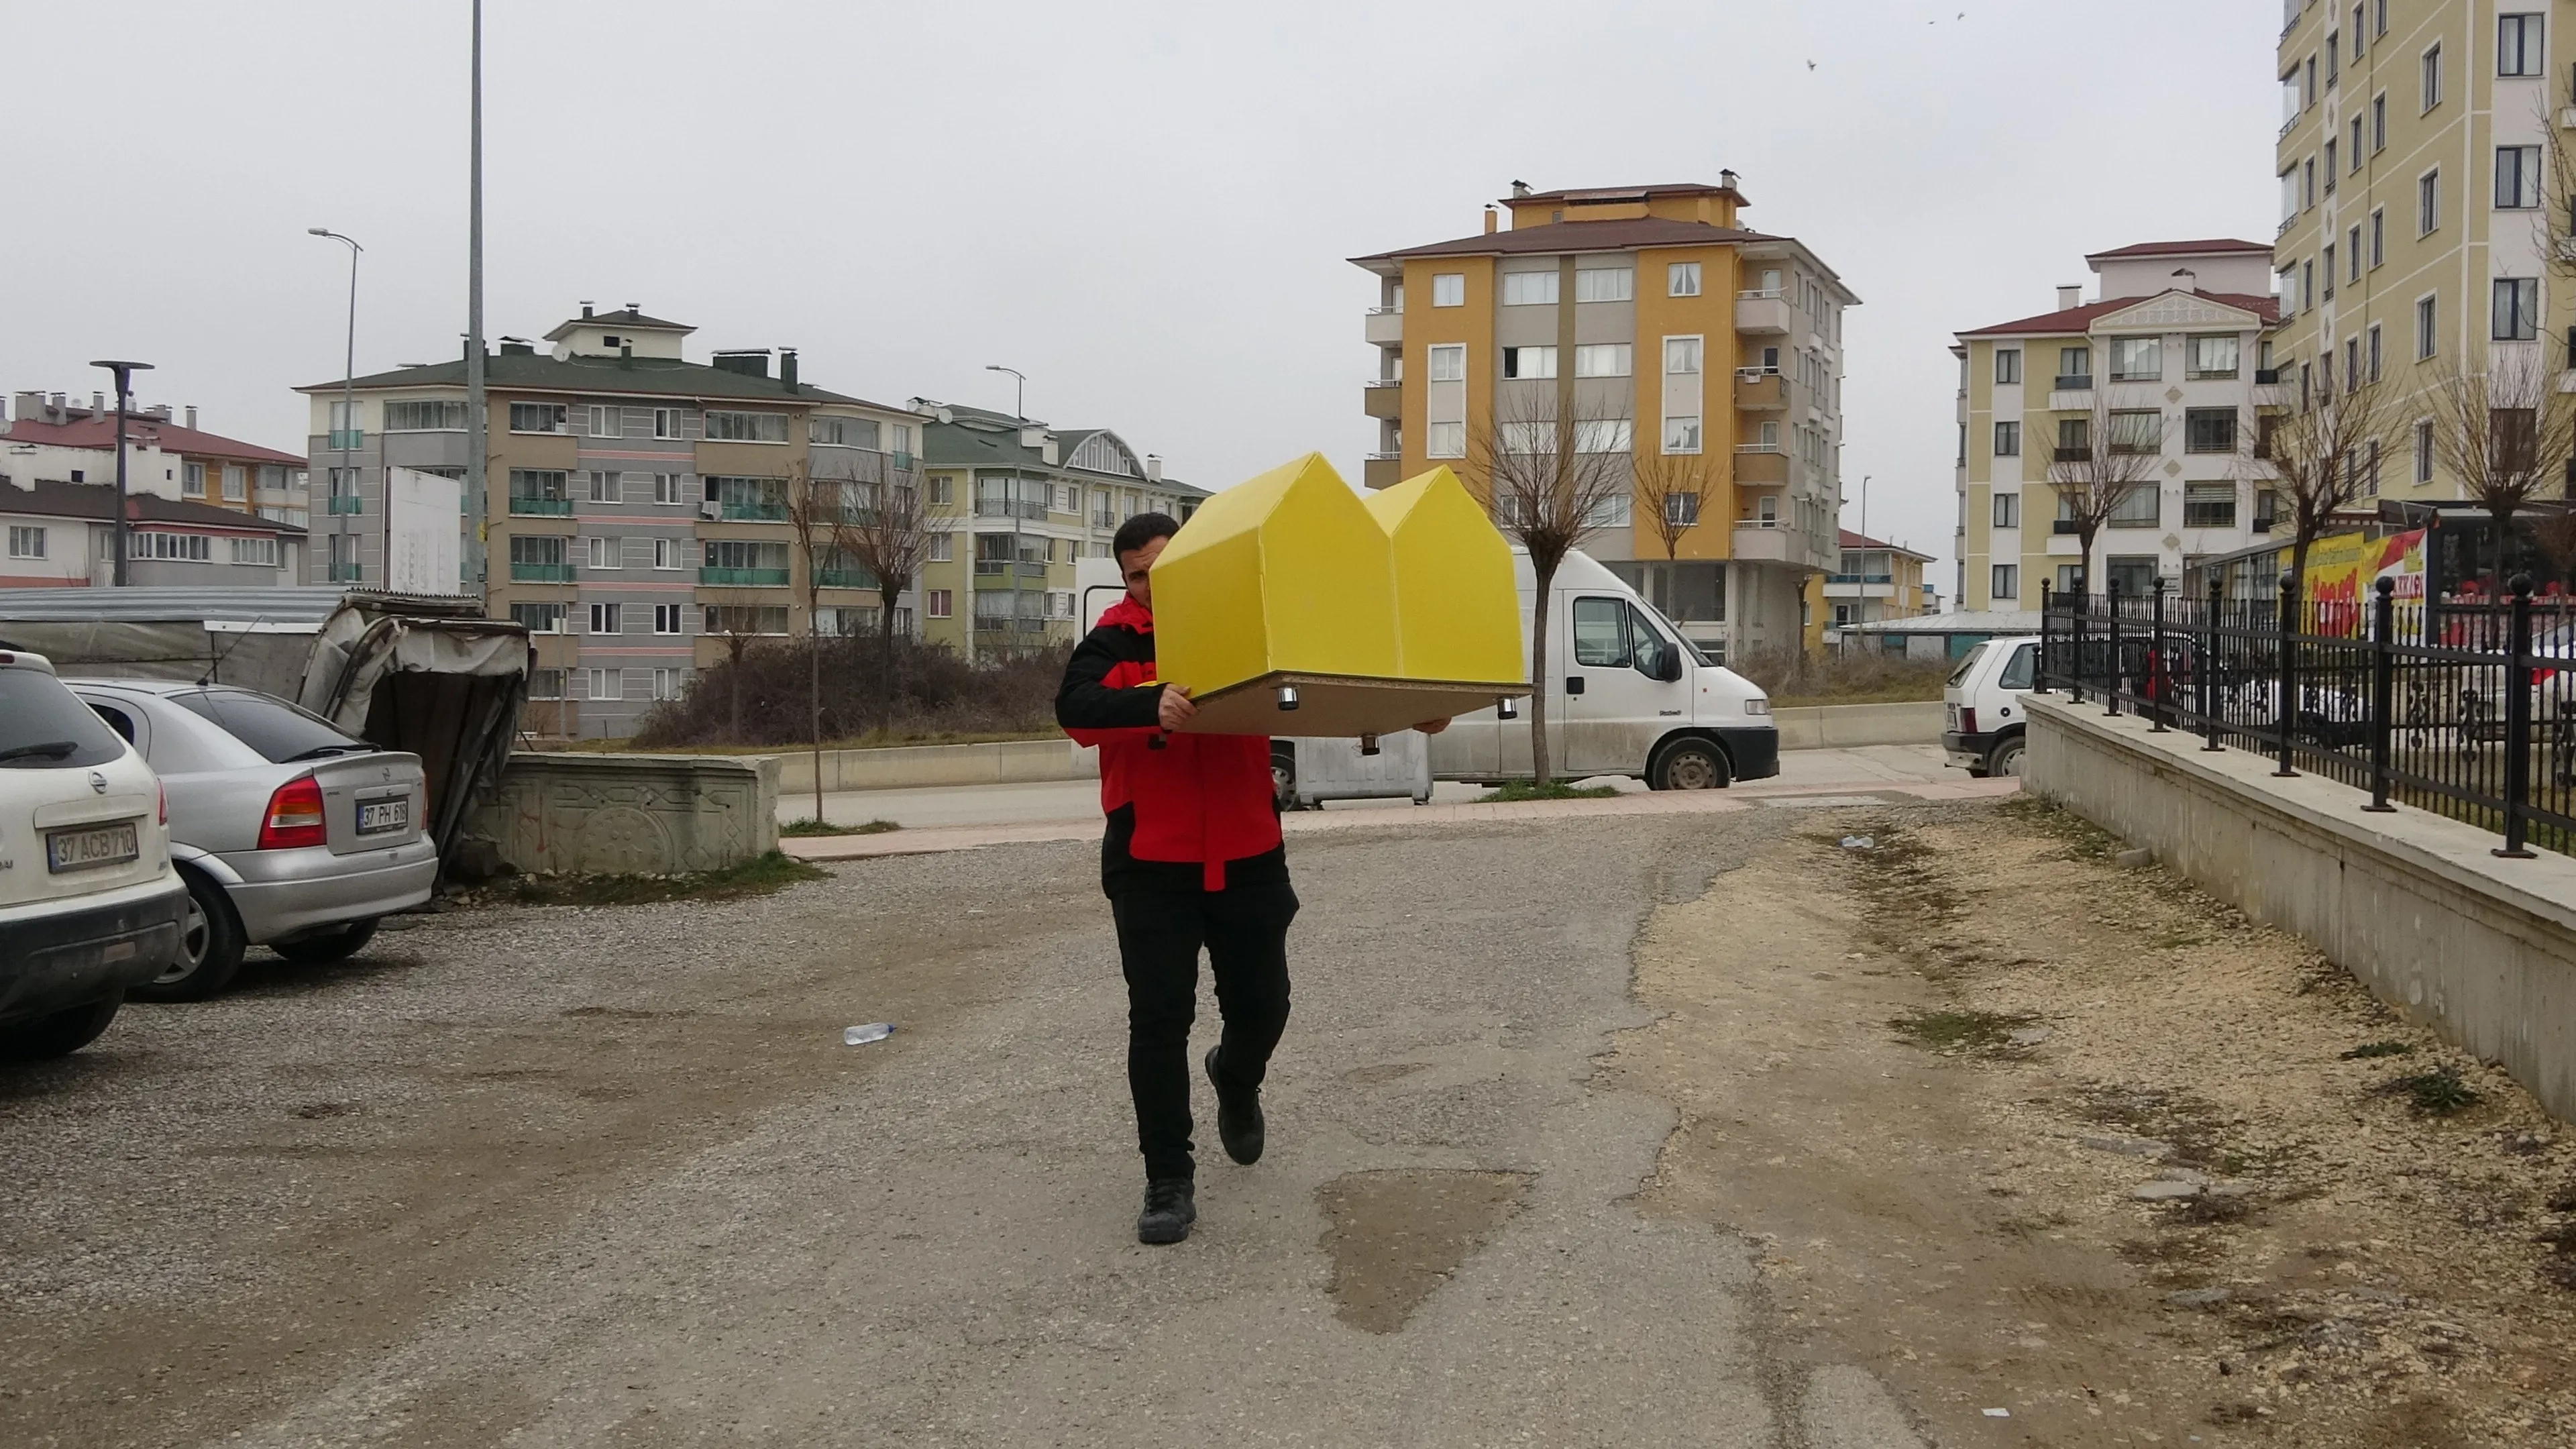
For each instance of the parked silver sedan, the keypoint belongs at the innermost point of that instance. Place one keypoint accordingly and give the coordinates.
(289, 833)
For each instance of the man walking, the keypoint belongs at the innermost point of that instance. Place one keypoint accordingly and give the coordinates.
(1192, 859)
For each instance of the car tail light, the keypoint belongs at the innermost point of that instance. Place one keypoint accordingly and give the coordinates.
(164, 792)
(294, 816)
(1967, 719)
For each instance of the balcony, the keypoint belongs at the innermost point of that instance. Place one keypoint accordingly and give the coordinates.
(1382, 470)
(522, 506)
(2070, 455)
(1021, 627)
(540, 573)
(1759, 391)
(2271, 395)
(749, 511)
(345, 439)
(1384, 327)
(844, 579)
(341, 572)
(712, 577)
(1104, 518)
(1761, 465)
(1010, 508)
(1004, 573)
(1763, 540)
(1384, 398)
(345, 503)
(2072, 393)
(1761, 312)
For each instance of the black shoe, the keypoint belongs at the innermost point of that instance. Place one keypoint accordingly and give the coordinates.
(1169, 1211)
(1238, 1116)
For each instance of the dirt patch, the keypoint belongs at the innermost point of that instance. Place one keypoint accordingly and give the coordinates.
(1394, 1236)
(2221, 1192)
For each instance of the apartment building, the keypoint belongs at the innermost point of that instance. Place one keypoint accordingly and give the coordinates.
(1015, 503)
(2171, 357)
(2417, 209)
(1873, 582)
(1567, 311)
(637, 508)
(63, 535)
(48, 438)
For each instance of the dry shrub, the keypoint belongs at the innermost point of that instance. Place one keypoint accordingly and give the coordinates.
(935, 693)
(1849, 675)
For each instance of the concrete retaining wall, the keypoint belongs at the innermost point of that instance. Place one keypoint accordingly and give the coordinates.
(2415, 906)
(633, 814)
(903, 766)
(1842, 726)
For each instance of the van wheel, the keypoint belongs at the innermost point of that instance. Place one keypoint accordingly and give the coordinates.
(1690, 765)
(60, 1034)
(210, 948)
(332, 946)
(1283, 776)
(2005, 761)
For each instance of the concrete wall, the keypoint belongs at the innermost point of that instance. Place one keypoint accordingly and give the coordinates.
(903, 766)
(1841, 726)
(2417, 907)
(633, 814)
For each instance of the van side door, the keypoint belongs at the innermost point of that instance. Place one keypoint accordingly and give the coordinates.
(1618, 701)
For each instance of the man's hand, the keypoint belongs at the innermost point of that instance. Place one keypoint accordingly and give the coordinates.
(1177, 709)
(1433, 727)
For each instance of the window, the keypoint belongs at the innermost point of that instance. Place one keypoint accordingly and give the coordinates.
(666, 618)
(2378, 238)
(2328, 294)
(1531, 362)
(667, 683)
(181, 547)
(26, 541)
(1527, 439)
(1444, 440)
(191, 485)
(2424, 452)
(1605, 284)
(2330, 165)
(1601, 359)
(2351, 366)
(2354, 150)
(606, 486)
(2334, 57)
(2432, 78)
(2070, 577)
(2005, 581)
(666, 553)
(2209, 430)
(666, 422)
(2379, 21)
(2075, 367)
(2374, 352)
(2352, 254)
(2289, 195)
(2516, 310)
(2379, 123)
(1604, 435)
(536, 417)
(2517, 178)
(2356, 30)
(606, 553)
(1681, 279)
(259, 552)
(2137, 430)
(942, 492)
(935, 603)
(843, 432)
(2517, 45)
(545, 684)
(746, 553)
(747, 427)
(2007, 512)
(2210, 356)
(2007, 440)
(424, 417)
(606, 683)
(2075, 435)
(607, 421)
(2137, 359)
(1448, 289)
(2308, 182)
(538, 618)
(2428, 201)
(2424, 320)
(1681, 509)
(1601, 633)
(1449, 363)
(2209, 505)
(604, 618)
(2007, 365)
(1681, 435)
(2370, 470)
(236, 483)
(1681, 356)
(2140, 507)
(943, 548)
(2131, 574)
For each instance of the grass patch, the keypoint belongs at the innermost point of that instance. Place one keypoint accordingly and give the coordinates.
(760, 877)
(2176, 940)
(1926, 690)
(872, 740)
(2437, 1093)
(2369, 1049)
(798, 828)
(1512, 790)
(1951, 1032)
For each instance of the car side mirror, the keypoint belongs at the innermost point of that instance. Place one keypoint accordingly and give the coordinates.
(1671, 666)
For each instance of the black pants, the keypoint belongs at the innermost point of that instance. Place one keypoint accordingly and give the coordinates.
(1245, 931)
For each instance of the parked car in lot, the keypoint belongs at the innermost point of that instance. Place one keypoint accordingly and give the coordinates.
(89, 905)
(1981, 705)
(288, 833)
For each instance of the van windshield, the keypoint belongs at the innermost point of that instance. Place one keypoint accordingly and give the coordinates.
(1966, 667)
(1673, 631)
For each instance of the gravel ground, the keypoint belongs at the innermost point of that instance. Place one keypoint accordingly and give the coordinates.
(573, 1177)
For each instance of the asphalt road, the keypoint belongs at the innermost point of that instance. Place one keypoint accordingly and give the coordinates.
(575, 1177)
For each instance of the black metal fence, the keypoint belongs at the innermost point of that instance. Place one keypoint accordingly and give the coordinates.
(2466, 708)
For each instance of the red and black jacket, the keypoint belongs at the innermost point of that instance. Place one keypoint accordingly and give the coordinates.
(1186, 812)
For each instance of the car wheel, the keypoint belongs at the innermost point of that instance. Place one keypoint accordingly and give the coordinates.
(59, 1034)
(1691, 765)
(322, 950)
(1283, 777)
(210, 948)
(2005, 762)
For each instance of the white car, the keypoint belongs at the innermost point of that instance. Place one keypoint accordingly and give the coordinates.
(89, 903)
(1982, 705)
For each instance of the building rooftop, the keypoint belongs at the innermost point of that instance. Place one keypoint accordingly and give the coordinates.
(97, 502)
(2077, 319)
(98, 430)
(653, 376)
(979, 437)
(1580, 195)
(1862, 540)
(1576, 236)
(1957, 621)
(2201, 248)
(622, 317)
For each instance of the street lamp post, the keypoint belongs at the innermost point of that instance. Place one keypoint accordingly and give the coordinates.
(1020, 396)
(346, 435)
(124, 390)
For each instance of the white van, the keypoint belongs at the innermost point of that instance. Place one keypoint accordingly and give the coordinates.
(1982, 705)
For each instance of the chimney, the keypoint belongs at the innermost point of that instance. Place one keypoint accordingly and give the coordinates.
(1726, 179)
(2186, 279)
(29, 407)
(635, 307)
(787, 367)
(2070, 298)
(585, 309)
(1492, 220)
(97, 403)
(1154, 461)
(192, 417)
(158, 412)
(1520, 188)
(626, 354)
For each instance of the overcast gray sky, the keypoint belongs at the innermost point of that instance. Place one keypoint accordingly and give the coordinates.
(1146, 207)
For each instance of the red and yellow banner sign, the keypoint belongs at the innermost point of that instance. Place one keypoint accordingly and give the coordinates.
(2344, 570)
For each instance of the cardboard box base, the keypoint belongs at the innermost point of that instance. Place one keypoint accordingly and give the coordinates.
(1337, 706)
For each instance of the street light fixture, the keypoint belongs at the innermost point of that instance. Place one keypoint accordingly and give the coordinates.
(124, 391)
(345, 436)
(1020, 398)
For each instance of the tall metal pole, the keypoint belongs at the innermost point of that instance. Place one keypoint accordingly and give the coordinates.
(1019, 397)
(346, 435)
(477, 422)
(124, 372)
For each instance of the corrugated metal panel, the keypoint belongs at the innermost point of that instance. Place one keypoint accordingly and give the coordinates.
(306, 605)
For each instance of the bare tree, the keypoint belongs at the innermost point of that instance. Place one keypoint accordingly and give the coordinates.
(2323, 455)
(1671, 487)
(2101, 461)
(1554, 474)
(815, 509)
(2506, 433)
(887, 534)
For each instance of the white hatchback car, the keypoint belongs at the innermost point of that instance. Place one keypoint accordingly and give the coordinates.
(89, 904)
